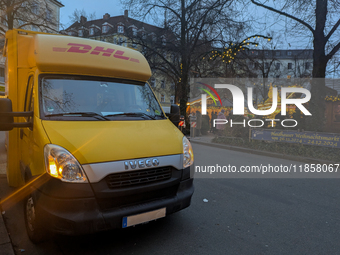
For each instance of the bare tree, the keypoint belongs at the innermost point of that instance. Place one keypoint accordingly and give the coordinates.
(321, 19)
(317, 25)
(193, 27)
(77, 14)
(23, 13)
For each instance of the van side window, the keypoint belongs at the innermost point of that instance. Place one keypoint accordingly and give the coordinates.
(29, 96)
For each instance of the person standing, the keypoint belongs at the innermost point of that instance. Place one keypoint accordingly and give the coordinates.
(199, 123)
(192, 118)
(220, 127)
(213, 117)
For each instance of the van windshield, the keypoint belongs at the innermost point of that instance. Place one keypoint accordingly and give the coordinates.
(87, 98)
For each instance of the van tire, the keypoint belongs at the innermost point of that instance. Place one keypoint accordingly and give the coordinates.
(35, 231)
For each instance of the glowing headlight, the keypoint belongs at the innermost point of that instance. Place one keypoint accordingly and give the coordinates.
(188, 155)
(62, 165)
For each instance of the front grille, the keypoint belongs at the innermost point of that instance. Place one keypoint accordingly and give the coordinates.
(140, 177)
(137, 198)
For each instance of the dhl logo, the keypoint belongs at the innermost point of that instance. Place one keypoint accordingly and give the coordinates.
(84, 48)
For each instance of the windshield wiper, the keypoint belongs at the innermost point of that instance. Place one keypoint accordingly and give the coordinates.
(82, 114)
(132, 114)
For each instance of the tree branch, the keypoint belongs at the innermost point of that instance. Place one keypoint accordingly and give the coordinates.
(333, 51)
(333, 30)
(284, 14)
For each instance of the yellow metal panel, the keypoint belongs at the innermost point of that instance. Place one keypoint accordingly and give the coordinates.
(37, 164)
(104, 141)
(72, 55)
(14, 176)
(24, 43)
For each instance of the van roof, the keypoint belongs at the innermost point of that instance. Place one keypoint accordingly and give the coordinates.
(72, 55)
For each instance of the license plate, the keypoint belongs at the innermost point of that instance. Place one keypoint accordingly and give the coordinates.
(143, 217)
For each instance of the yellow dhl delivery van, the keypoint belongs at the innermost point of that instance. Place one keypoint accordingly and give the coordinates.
(82, 118)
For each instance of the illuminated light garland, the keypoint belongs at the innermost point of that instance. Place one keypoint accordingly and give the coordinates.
(332, 98)
(227, 54)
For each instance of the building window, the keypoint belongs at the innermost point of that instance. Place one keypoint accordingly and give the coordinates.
(277, 66)
(2, 74)
(153, 82)
(120, 41)
(92, 31)
(105, 29)
(290, 66)
(80, 32)
(307, 65)
(266, 65)
(163, 84)
(172, 99)
(48, 15)
(35, 8)
(3, 21)
(266, 53)
(162, 98)
(289, 53)
(120, 29)
(277, 53)
(256, 65)
(163, 41)
(134, 31)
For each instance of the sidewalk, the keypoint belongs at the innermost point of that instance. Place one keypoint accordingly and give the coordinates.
(207, 140)
(6, 247)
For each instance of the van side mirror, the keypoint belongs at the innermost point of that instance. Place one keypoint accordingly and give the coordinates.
(174, 114)
(6, 121)
(7, 116)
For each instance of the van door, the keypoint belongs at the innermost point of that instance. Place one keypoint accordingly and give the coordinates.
(26, 133)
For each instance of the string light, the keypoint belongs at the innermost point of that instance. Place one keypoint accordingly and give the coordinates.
(228, 53)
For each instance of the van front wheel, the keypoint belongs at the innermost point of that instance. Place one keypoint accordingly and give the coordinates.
(35, 231)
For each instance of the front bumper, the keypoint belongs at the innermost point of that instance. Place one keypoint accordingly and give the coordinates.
(78, 211)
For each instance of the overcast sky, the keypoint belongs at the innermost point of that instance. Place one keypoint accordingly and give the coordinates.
(100, 7)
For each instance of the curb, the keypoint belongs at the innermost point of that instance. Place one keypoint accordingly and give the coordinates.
(6, 247)
(266, 153)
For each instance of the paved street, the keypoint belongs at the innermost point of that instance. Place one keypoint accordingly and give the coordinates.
(242, 216)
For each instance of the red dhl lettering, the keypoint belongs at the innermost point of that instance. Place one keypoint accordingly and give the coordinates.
(84, 48)
(76, 48)
(106, 53)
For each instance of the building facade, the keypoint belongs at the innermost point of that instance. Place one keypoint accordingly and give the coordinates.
(279, 63)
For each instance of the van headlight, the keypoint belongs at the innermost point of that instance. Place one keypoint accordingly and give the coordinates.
(61, 164)
(188, 154)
